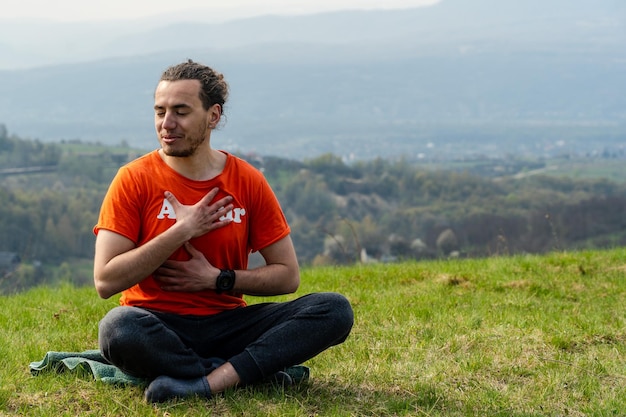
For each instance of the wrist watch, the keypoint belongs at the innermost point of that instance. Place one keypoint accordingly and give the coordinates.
(225, 280)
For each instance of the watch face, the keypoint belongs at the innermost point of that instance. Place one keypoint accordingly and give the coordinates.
(226, 280)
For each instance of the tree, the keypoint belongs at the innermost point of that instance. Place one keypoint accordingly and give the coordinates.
(447, 242)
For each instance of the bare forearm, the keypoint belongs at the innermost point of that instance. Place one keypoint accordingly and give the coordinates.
(275, 279)
(131, 267)
(280, 275)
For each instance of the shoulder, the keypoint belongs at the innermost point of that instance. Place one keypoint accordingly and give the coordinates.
(149, 159)
(143, 165)
(135, 174)
(242, 167)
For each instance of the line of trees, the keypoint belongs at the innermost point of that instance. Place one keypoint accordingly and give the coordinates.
(369, 211)
(394, 210)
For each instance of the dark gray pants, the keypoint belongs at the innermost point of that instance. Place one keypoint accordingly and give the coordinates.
(258, 340)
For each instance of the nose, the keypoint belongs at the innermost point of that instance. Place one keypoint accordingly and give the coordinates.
(169, 121)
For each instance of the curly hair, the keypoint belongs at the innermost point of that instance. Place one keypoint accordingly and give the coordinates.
(214, 88)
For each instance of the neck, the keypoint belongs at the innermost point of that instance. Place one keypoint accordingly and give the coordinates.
(204, 164)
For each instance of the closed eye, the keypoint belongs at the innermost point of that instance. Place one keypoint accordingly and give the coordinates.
(180, 110)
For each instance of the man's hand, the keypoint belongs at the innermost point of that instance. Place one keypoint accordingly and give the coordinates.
(119, 263)
(196, 274)
(203, 216)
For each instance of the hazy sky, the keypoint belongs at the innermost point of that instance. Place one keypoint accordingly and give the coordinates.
(76, 10)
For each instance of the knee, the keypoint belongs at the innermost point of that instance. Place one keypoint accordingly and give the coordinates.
(340, 311)
(119, 330)
(115, 322)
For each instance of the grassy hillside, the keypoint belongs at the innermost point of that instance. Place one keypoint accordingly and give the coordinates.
(509, 336)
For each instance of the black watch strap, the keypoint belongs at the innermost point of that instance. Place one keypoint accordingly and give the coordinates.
(225, 280)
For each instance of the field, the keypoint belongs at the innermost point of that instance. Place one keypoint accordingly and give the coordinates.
(506, 336)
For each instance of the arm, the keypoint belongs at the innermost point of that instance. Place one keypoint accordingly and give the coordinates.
(280, 275)
(119, 264)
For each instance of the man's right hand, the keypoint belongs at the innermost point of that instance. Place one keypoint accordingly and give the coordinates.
(202, 217)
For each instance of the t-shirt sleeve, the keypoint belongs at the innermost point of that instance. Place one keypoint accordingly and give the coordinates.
(269, 224)
(120, 211)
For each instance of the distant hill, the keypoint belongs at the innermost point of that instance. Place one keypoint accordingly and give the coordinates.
(449, 80)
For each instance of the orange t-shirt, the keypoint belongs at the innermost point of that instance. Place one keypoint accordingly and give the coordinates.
(135, 207)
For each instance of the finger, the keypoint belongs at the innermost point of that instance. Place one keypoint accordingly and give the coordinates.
(165, 280)
(162, 273)
(171, 199)
(223, 201)
(192, 250)
(169, 266)
(169, 287)
(175, 286)
(219, 224)
(221, 212)
(221, 207)
(208, 197)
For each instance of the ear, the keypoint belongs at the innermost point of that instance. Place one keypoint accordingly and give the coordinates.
(215, 114)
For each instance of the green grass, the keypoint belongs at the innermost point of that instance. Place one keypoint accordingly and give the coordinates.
(587, 168)
(510, 336)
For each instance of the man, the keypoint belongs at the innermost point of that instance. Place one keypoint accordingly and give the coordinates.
(174, 234)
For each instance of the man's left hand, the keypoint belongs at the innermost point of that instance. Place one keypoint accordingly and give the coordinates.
(196, 274)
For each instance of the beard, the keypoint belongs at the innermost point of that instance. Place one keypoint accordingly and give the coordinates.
(185, 147)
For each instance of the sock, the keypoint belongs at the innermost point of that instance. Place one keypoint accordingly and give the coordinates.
(164, 388)
(281, 379)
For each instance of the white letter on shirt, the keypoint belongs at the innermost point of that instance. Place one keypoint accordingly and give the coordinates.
(167, 210)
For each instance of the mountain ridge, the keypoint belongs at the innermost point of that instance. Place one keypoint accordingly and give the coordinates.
(376, 82)
(485, 18)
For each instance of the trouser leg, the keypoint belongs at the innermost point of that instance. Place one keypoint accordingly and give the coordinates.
(293, 332)
(257, 340)
(137, 341)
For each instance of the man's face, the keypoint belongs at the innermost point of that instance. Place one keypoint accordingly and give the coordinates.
(181, 122)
